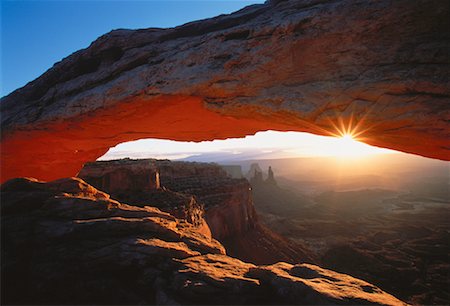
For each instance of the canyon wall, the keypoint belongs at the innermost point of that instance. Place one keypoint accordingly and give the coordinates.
(122, 176)
(227, 202)
(377, 68)
(204, 195)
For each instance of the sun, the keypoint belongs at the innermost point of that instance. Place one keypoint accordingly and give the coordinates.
(347, 138)
(347, 147)
(346, 133)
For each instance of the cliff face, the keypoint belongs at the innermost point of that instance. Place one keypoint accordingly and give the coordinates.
(227, 202)
(377, 67)
(123, 178)
(237, 216)
(138, 182)
(65, 242)
(199, 192)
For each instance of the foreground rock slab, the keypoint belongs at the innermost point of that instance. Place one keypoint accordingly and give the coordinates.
(65, 242)
(376, 68)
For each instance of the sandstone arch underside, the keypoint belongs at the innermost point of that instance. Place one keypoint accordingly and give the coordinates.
(314, 66)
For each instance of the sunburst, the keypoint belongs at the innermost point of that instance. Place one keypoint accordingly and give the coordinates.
(350, 133)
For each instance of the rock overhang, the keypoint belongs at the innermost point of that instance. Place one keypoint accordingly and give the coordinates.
(309, 66)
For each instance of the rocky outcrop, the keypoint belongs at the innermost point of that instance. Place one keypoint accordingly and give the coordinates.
(255, 172)
(121, 177)
(230, 213)
(138, 182)
(271, 177)
(205, 196)
(377, 68)
(227, 202)
(281, 283)
(65, 242)
(199, 192)
(256, 177)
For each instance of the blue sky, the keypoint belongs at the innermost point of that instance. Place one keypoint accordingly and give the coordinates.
(36, 34)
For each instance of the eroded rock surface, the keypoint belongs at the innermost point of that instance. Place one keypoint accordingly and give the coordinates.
(64, 242)
(184, 187)
(138, 182)
(378, 67)
(197, 192)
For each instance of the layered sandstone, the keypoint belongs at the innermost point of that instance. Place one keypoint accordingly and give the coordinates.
(377, 67)
(65, 242)
(204, 195)
(122, 176)
(138, 182)
(227, 202)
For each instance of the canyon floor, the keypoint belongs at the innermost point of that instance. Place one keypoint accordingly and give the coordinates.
(397, 240)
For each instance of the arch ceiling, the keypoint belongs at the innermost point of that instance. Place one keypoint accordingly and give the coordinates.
(377, 68)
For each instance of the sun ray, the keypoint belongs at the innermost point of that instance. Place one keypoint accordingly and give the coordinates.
(354, 124)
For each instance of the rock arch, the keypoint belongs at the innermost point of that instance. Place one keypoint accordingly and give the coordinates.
(315, 66)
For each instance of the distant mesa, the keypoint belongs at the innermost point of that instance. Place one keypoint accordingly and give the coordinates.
(256, 176)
